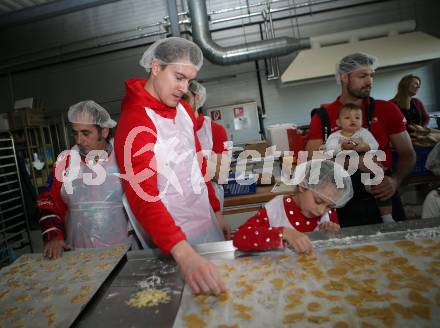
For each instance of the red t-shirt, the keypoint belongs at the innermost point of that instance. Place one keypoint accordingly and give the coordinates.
(218, 133)
(219, 136)
(387, 120)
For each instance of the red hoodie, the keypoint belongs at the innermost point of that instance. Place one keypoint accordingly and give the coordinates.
(218, 132)
(157, 221)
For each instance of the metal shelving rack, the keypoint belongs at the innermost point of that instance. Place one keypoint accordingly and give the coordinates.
(14, 223)
(37, 139)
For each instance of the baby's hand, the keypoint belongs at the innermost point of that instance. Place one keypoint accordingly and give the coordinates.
(329, 227)
(299, 241)
(347, 145)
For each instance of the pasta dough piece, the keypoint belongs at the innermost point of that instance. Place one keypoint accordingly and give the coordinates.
(337, 271)
(416, 297)
(314, 306)
(404, 243)
(368, 248)
(421, 311)
(277, 283)
(293, 317)
(337, 310)
(243, 311)
(318, 319)
(193, 321)
(79, 299)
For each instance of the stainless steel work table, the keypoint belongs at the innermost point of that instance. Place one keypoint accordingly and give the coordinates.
(109, 309)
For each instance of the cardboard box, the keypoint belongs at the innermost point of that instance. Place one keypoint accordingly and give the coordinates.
(259, 146)
(21, 118)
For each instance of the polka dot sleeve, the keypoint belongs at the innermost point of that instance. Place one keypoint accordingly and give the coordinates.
(257, 234)
(333, 216)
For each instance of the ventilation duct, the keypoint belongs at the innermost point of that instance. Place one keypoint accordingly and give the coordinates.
(241, 53)
(393, 44)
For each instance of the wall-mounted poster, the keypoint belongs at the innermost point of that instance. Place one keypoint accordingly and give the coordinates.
(240, 121)
(238, 111)
(216, 115)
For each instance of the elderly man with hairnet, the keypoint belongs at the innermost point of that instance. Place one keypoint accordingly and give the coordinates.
(159, 154)
(80, 212)
(213, 138)
(355, 74)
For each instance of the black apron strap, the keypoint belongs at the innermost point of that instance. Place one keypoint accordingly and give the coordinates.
(325, 122)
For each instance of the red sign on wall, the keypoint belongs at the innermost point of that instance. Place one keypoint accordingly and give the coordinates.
(216, 115)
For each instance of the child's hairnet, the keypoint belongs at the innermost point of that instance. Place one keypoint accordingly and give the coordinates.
(197, 89)
(173, 50)
(317, 174)
(354, 61)
(89, 112)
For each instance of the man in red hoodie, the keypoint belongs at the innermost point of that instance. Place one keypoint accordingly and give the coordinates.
(159, 157)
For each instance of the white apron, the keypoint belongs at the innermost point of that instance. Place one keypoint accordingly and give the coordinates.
(205, 137)
(178, 172)
(206, 143)
(96, 216)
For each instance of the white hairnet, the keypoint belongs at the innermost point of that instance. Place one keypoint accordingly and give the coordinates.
(198, 90)
(354, 61)
(317, 174)
(173, 51)
(89, 112)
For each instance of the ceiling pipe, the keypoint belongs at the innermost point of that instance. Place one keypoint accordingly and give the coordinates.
(173, 17)
(240, 53)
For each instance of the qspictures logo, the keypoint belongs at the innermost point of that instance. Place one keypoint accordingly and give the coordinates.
(167, 163)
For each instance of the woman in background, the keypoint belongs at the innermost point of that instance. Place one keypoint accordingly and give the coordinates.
(411, 107)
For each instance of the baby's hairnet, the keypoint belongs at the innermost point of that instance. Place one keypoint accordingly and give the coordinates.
(354, 61)
(197, 89)
(317, 174)
(173, 51)
(89, 112)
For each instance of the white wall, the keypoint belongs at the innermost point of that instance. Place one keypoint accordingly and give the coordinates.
(102, 77)
(293, 103)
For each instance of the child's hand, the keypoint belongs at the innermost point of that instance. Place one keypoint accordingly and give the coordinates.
(299, 241)
(329, 227)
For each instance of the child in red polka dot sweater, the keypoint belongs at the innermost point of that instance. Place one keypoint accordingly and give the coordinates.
(321, 185)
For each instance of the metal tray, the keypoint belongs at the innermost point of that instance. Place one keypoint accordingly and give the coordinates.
(109, 308)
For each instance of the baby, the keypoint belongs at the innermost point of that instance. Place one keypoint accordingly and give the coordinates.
(353, 136)
(322, 186)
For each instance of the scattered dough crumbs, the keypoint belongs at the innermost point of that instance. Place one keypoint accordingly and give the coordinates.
(149, 297)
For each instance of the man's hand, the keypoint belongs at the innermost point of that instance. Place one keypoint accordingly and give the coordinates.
(54, 249)
(223, 225)
(386, 189)
(200, 274)
(299, 241)
(329, 227)
(361, 147)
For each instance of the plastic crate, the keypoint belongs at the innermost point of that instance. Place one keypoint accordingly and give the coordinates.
(236, 187)
(421, 156)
